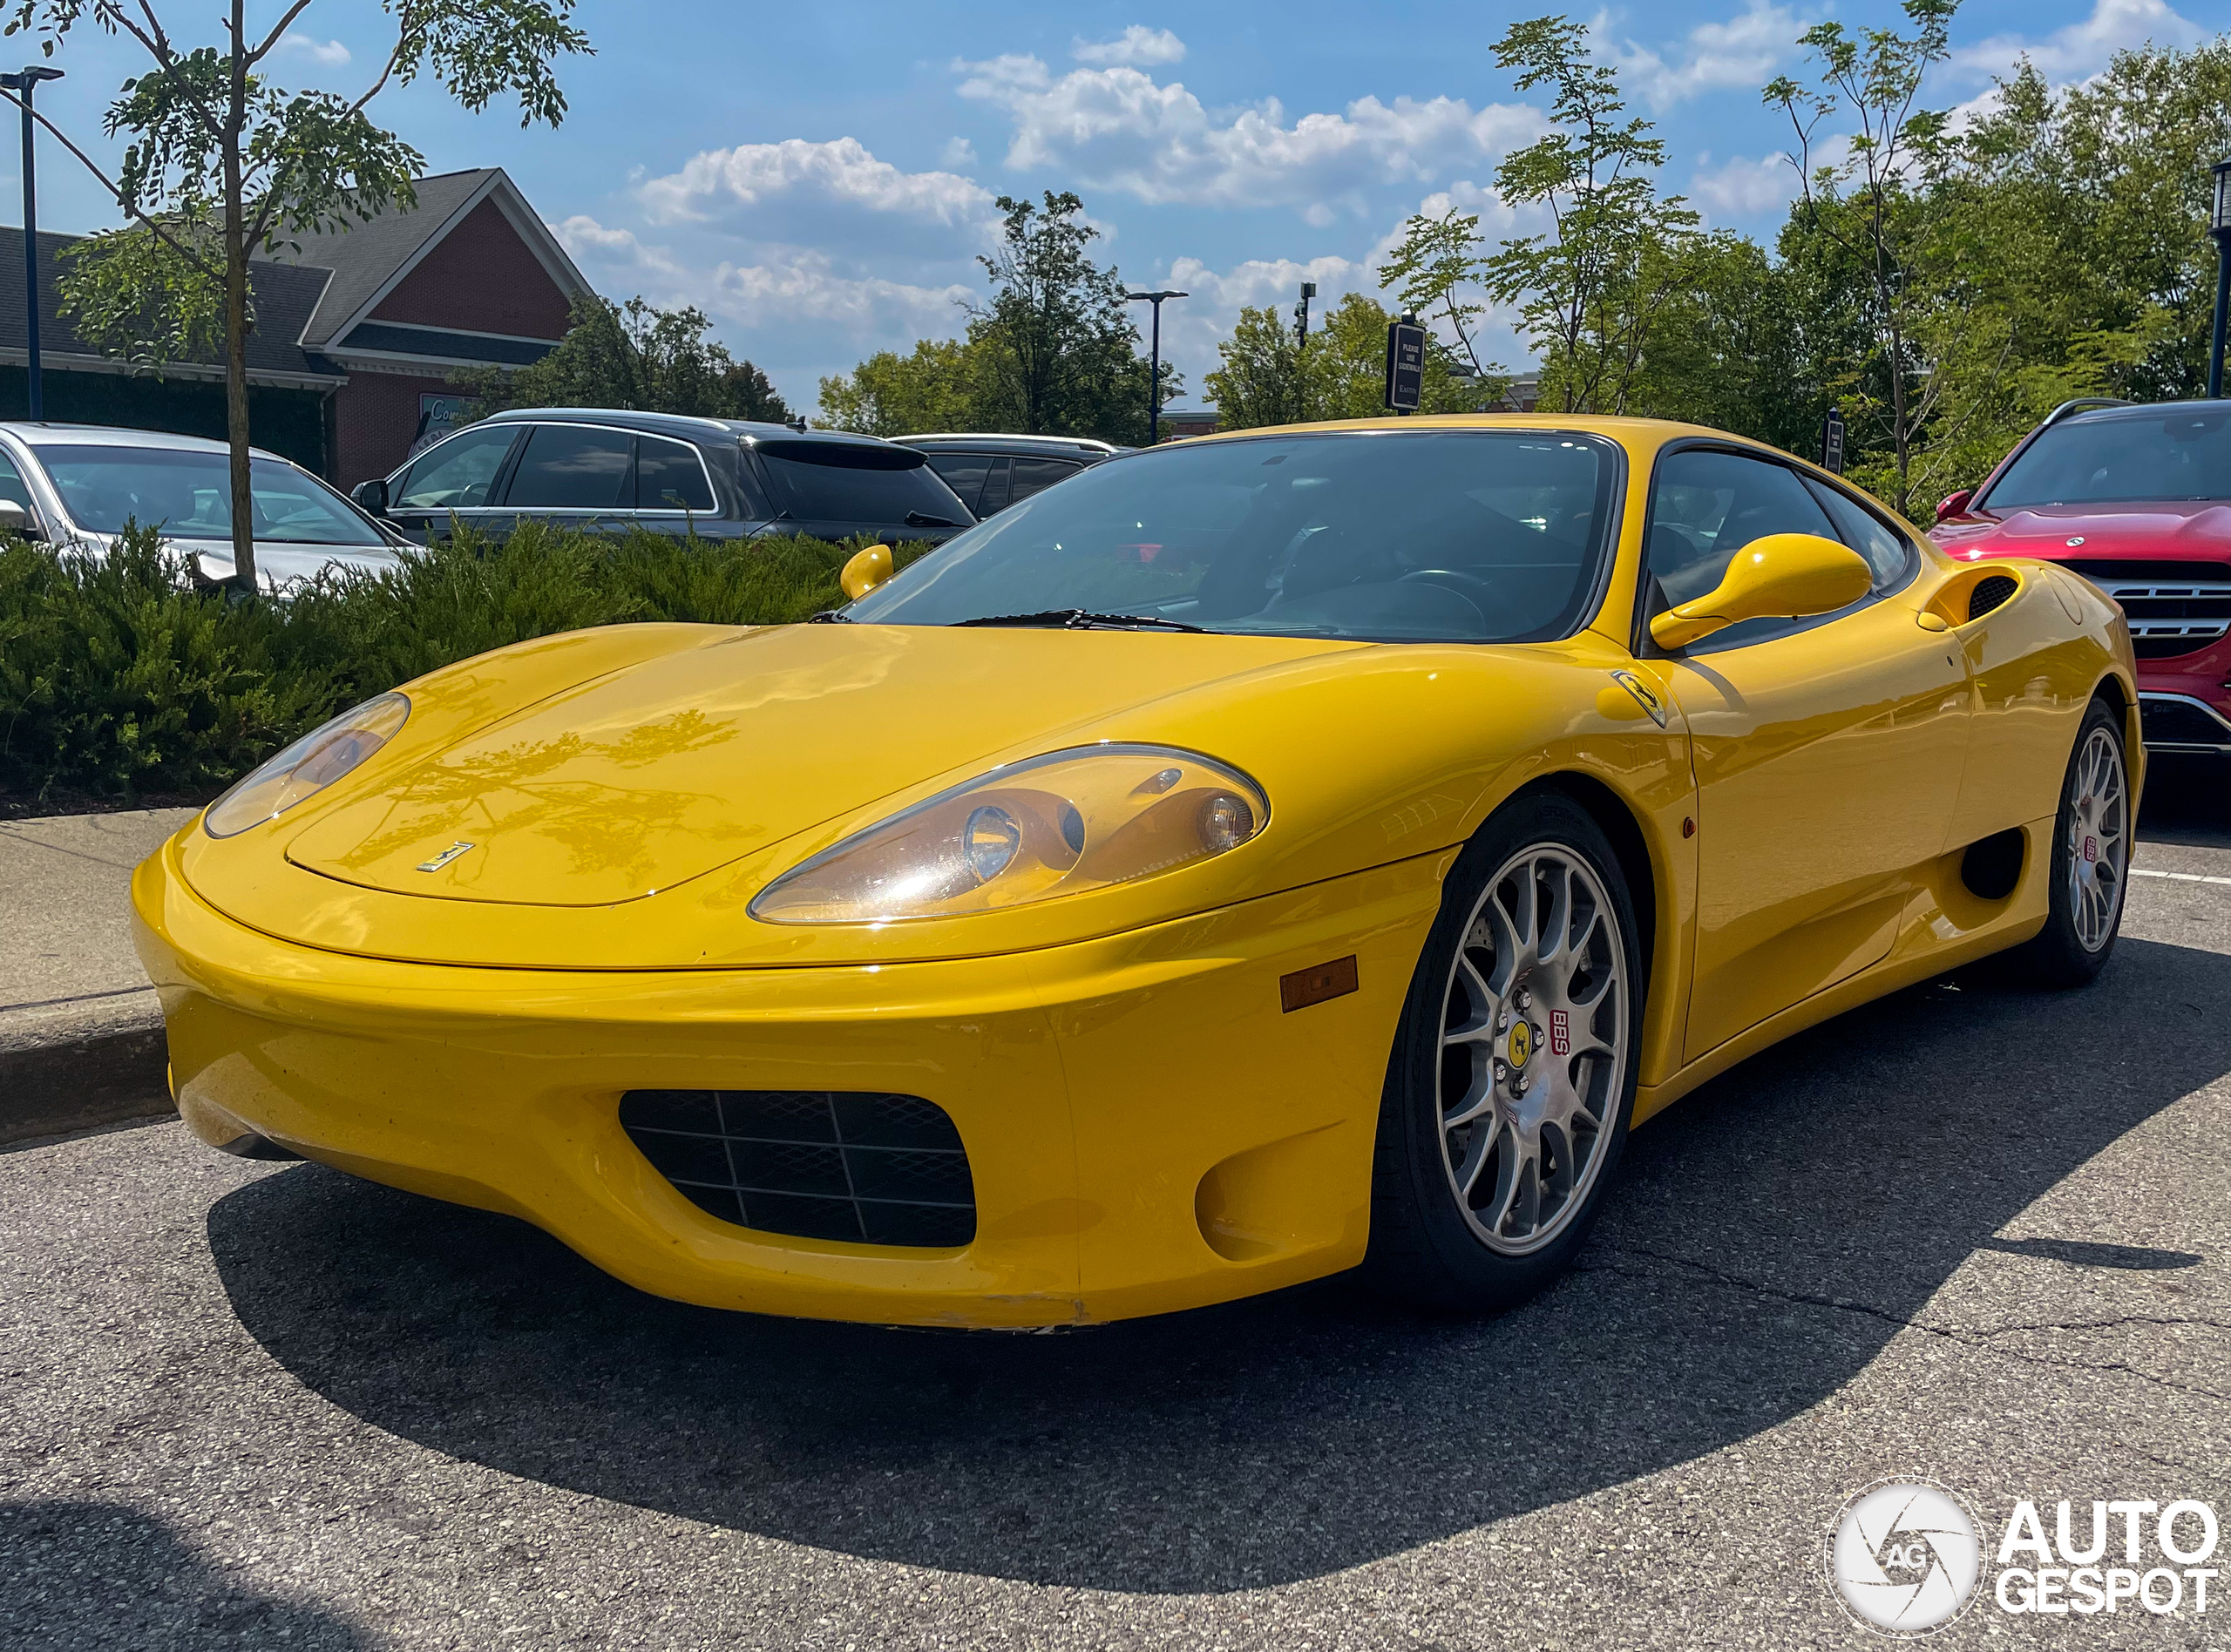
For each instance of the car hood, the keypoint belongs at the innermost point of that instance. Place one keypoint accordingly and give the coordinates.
(279, 564)
(652, 775)
(2170, 530)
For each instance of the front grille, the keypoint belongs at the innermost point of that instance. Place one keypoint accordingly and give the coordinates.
(1988, 594)
(815, 1164)
(2173, 607)
(2166, 721)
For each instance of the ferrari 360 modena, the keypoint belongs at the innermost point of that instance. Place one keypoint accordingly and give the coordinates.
(1253, 858)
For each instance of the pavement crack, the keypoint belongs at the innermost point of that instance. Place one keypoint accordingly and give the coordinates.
(1965, 1338)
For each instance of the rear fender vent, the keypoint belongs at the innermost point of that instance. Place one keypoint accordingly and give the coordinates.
(1992, 865)
(858, 1166)
(1988, 594)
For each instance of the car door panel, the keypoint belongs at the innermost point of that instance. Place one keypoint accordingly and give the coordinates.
(2027, 703)
(1828, 751)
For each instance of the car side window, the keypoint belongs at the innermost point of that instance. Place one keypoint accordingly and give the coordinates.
(964, 473)
(1705, 504)
(995, 489)
(12, 488)
(572, 467)
(669, 476)
(1034, 476)
(1886, 550)
(457, 474)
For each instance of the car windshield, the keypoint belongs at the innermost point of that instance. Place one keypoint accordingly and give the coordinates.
(189, 495)
(853, 482)
(2185, 454)
(1470, 535)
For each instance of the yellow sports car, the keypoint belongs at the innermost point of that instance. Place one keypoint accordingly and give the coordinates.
(1252, 858)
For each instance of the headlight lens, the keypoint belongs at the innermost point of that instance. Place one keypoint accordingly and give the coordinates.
(308, 766)
(1060, 824)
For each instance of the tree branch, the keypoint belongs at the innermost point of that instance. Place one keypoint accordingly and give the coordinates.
(160, 232)
(278, 30)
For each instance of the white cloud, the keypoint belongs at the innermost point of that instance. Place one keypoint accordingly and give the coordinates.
(1742, 53)
(1741, 187)
(1119, 129)
(958, 152)
(805, 287)
(1136, 45)
(718, 182)
(327, 54)
(2082, 49)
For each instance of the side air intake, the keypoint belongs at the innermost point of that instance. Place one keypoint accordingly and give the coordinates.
(1988, 594)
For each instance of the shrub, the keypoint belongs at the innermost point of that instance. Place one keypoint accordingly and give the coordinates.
(121, 676)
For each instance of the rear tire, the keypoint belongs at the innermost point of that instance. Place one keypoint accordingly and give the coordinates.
(2091, 860)
(1511, 1085)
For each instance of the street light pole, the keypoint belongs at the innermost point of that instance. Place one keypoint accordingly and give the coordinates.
(2220, 227)
(1153, 393)
(1301, 349)
(23, 84)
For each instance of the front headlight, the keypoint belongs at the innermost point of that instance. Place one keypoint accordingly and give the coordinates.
(1060, 824)
(308, 766)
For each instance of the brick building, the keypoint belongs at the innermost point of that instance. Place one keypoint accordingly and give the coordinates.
(357, 334)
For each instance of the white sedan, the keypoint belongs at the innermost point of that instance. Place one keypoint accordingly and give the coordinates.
(76, 485)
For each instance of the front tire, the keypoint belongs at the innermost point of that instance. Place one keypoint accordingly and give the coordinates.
(2090, 859)
(1511, 1085)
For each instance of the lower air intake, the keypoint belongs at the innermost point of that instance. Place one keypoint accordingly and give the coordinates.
(815, 1164)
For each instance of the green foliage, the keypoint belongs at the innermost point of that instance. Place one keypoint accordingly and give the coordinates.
(1054, 352)
(939, 387)
(1262, 378)
(120, 676)
(635, 355)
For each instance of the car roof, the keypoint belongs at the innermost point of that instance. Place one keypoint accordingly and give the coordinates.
(1066, 447)
(49, 433)
(685, 425)
(2140, 411)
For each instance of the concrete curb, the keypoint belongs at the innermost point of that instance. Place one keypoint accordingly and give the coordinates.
(79, 1083)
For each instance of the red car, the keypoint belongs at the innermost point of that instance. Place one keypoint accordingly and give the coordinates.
(2137, 500)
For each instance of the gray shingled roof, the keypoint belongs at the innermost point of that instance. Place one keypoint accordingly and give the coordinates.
(285, 296)
(376, 250)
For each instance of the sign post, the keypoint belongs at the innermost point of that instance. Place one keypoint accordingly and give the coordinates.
(1406, 363)
(1832, 441)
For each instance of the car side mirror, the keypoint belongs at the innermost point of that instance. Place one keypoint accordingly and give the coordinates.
(867, 570)
(16, 520)
(1780, 576)
(1952, 504)
(372, 495)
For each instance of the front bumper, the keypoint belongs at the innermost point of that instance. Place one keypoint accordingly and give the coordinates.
(1146, 1128)
(2184, 712)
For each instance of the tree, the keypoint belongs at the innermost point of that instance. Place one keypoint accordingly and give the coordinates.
(1437, 260)
(1059, 351)
(1582, 292)
(938, 386)
(220, 163)
(635, 355)
(1868, 204)
(1260, 375)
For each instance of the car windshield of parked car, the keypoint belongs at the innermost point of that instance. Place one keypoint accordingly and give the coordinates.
(1472, 536)
(854, 482)
(2181, 454)
(189, 495)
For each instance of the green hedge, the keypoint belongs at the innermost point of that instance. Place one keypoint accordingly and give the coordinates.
(121, 678)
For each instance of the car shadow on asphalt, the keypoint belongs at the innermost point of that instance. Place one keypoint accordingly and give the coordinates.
(1767, 1236)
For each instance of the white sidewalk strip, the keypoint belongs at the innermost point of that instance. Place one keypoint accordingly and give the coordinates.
(2181, 877)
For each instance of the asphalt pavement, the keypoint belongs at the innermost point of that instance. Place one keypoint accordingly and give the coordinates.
(1970, 1232)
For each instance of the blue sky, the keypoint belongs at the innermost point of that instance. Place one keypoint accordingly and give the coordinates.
(818, 178)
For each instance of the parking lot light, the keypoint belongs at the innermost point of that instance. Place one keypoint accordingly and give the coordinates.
(2218, 226)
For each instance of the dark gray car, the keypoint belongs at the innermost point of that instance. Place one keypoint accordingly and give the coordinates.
(992, 472)
(720, 478)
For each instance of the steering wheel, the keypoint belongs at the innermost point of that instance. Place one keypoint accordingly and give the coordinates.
(1446, 576)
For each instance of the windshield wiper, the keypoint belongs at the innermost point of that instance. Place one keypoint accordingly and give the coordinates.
(1084, 620)
(923, 520)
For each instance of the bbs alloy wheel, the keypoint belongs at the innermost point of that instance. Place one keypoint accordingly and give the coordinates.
(1534, 1044)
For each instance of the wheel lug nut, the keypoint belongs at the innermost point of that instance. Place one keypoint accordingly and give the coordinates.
(1502, 1073)
(1524, 999)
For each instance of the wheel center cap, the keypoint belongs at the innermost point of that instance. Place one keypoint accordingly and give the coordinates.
(1520, 1045)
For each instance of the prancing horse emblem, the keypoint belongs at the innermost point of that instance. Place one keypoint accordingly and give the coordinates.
(444, 857)
(1647, 701)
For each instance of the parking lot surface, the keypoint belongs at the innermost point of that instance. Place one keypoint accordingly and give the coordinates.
(1971, 1231)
